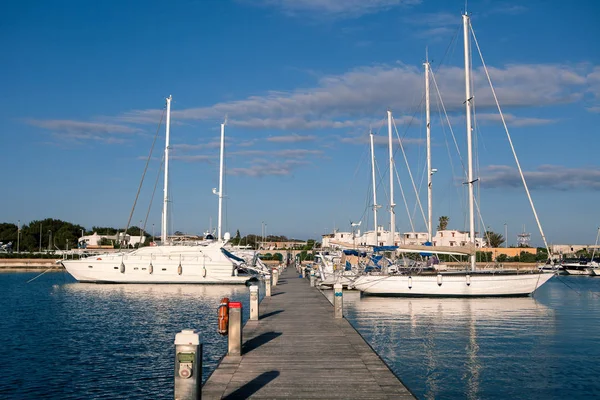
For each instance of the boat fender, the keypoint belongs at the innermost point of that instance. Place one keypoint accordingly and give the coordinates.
(468, 280)
(179, 269)
(439, 279)
(410, 282)
(204, 272)
(224, 316)
(122, 268)
(151, 268)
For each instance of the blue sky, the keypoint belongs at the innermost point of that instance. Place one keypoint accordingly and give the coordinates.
(301, 82)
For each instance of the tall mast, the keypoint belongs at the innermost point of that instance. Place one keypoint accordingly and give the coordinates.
(164, 224)
(429, 171)
(392, 205)
(374, 188)
(468, 106)
(219, 226)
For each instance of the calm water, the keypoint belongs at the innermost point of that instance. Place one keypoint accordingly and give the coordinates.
(66, 340)
(547, 347)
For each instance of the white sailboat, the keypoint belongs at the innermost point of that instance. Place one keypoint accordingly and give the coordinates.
(446, 283)
(335, 267)
(198, 262)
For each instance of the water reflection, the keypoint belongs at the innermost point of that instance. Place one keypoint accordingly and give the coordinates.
(154, 291)
(442, 347)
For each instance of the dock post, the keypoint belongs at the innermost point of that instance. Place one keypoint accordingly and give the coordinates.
(338, 300)
(235, 329)
(312, 278)
(275, 274)
(254, 303)
(188, 365)
(303, 272)
(268, 284)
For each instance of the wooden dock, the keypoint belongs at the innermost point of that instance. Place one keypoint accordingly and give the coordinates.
(298, 350)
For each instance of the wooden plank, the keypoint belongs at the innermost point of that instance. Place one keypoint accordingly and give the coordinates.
(297, 349)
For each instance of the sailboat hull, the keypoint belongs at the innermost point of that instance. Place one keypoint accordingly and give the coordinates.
(452, 285)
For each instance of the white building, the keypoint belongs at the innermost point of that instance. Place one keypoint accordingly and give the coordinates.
(450, 237)
(447, 237)
(94, 240)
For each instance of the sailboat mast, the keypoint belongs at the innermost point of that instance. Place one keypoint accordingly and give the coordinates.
(163, 230)
(429, 172)
(468, 106)
(219, 226)
(374, 188)
(392, 205)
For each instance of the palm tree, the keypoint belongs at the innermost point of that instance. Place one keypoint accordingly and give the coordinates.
(443, 223)
(494, 239)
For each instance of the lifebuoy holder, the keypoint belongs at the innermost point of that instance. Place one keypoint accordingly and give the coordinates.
(223, 315)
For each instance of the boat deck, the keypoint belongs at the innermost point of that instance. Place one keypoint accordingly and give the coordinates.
(298, 350)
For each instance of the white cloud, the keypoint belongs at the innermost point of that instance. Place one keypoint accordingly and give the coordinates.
(594, 109)
(286, 123)
(432, 25)
(548, 177)
(199, 146)
(350, 100)
(512, 120)
(293, 138)
(293, 153)
(263, 168)
(594, 88)
(80, 131)
(193, 158)
(506, 8)
(333, 8)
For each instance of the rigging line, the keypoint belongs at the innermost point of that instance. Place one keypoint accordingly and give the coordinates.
(160, 169)
(596, 245)
(510, 142)
(33, 279)
(478, 138)
(480, 219)
(410, 175)
(424, 171)
(440, 108)
(380, 172)
(145, 169)
(350, 188)
(441, 101)
(362, 158)
(567, 285)
(404, 199)
(451, 45)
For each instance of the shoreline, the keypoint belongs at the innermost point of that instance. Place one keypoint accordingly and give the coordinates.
(29, 264)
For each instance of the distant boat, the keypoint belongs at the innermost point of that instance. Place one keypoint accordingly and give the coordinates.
(471, 282)
(580, 266)
(185, 262)
(583, 266)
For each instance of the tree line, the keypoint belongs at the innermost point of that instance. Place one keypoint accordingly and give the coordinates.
(52, 234)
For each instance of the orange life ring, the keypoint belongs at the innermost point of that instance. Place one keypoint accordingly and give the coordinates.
(224, 316)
